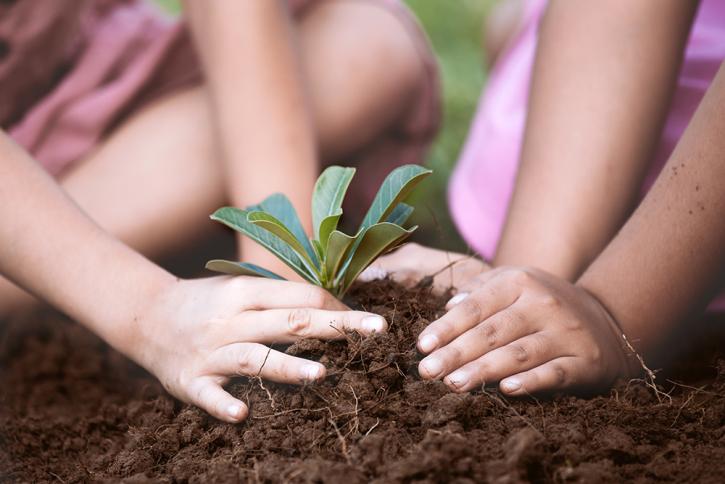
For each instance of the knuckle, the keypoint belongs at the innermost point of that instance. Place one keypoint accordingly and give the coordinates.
(452, 354)
(520, 353)
(559, 375)
(573, 324)
(317, 298)
(482, 369)
(299, 321)
(243, 361)
(238, 285)
(595, 356)
(199, 394)
(343, 322)
(441, 328)
(520, 277)
(286, 369)
(489, 334)
(184, 380)
(550, 301)
(478, 279)
(470, 308)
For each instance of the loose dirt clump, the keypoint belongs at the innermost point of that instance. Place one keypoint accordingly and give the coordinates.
(73, 410)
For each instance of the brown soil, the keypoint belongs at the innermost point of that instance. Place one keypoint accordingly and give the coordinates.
(72, 410)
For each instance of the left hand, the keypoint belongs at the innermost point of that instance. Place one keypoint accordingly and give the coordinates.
(413, 262)
(526, 329)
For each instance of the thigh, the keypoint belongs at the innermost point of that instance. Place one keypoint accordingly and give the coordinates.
(152, 183)
(156, 179)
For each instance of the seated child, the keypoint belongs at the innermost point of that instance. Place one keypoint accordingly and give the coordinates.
(592, 179)
(149, 124)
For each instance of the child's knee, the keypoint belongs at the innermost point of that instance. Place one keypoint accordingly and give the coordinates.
(363, 66)
(367, 40)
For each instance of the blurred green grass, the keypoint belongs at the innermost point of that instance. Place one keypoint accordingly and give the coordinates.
(455, 31)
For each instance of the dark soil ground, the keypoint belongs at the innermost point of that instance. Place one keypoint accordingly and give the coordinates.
(72, 410)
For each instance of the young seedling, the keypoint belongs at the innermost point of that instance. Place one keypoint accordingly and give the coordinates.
(330, 259)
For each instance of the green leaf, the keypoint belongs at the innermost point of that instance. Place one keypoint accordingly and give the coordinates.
(396, 187)
(318, 249)
(327, 199)
(272, 224)
(327, 226)
(236, 218)
(338, 248)
(281, 208)
(375, 241)
(240, 269)
(400, 214)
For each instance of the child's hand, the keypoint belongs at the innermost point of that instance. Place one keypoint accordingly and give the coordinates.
(413, 262)
(196, 334)
(527, 329)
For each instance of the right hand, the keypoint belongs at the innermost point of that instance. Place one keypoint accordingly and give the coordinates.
(413, 262)
(194, 335)
(529, 330)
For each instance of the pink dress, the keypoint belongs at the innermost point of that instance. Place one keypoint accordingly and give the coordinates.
(72, 70)
(483, 180)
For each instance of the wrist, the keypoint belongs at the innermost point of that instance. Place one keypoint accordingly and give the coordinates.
(561, 260)
(630, 363)
(126, 325)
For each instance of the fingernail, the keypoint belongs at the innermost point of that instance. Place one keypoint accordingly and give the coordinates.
(373, 324)
(234, 411)
(510, 385)
(458, 379)
(311, 372)
(457, 298)
(427, 343)
(373, 273)
(433, 367)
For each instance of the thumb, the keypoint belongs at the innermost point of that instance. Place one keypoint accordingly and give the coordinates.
(208, 395)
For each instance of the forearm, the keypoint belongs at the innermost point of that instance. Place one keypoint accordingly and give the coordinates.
(48, 247)
(601, 87)
(669, 259)
(258, 98)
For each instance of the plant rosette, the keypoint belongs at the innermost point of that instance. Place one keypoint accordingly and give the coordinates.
(330, 259)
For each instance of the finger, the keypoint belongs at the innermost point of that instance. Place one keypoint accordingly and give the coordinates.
(373, 273)
(500, 329)
(207, 394)
(289, 325)
(556, 374)
(456, 299)
(252, 359)
(262, 293)
(521, 355)
(473, 283)
(480, 305)
(404, 277)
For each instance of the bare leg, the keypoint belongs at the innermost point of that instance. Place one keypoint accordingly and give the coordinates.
(152, 183)
(155, 180)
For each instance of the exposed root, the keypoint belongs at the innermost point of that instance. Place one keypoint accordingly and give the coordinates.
(377, 422)
(510, 408)
(649, 379)
(356, 427)
(341, 439)
(260, 382)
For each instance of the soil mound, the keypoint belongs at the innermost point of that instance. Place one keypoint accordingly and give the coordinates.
(73, 410)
